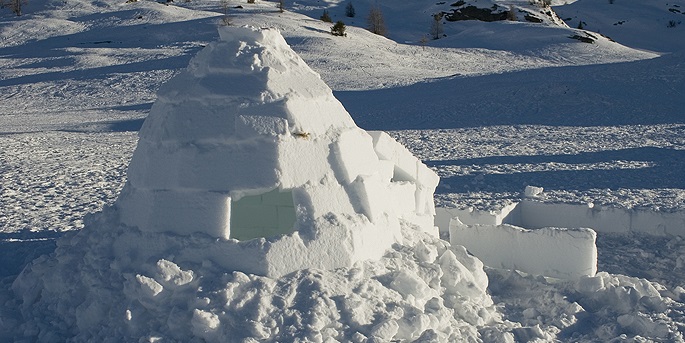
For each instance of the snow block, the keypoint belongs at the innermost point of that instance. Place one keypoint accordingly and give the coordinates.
(371, 197)
(658, 223)
(471, 216)
(426, 177)
(292, 252)
(317, 200)
(402, 197)
(258, 126)
(355, 155)
(532, 191)
(386, 170)
(214, 167)
(554, 252)
(389, 149)
(317, 114)
(216, 122)
(301, 160)
(180, 212)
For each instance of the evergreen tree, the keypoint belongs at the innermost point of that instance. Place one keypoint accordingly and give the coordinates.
(511, 14)
(326, 17)
(338, 29)
(15, 5)
(349, 10)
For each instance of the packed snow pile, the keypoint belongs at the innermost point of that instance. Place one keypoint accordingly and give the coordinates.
(88, 291)
(256, 209)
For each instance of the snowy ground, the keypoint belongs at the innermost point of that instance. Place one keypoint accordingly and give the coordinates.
(492, 107)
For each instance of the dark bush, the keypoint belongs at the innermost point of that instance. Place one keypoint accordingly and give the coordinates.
(338, 29)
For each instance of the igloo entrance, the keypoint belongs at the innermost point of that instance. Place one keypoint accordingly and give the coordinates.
(264, 215)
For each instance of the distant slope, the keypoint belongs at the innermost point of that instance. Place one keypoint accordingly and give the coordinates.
(639, 92)
(635, 23)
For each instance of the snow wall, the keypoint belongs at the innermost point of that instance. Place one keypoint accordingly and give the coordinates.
(556, 240)
(533, 214)
(556, 252)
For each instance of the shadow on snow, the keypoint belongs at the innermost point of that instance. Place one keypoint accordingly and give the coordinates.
(639, 92)
(17, 249)
(664, 171)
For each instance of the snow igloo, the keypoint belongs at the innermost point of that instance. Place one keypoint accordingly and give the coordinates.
(249, 146)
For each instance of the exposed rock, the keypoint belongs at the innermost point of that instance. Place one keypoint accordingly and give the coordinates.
(585, 39)
(532, 19)
(495, 13)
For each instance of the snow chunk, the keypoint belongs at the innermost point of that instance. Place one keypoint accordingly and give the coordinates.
(172, 273)
(532, 191)
(149, 285)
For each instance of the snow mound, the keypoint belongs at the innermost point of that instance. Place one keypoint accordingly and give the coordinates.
(94, 289)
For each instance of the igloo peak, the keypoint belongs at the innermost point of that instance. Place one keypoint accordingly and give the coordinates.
(249, 142)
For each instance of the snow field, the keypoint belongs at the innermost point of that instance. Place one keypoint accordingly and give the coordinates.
(532, 307)
(44, 199)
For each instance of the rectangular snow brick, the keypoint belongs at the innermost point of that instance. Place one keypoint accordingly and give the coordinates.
(355, 155)
(554, 252)
(260, 126)
(179, 211)
(301, 160)
(321, 199)
(388, 148)
(371, 197)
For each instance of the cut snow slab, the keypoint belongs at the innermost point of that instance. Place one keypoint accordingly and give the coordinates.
(555, 252)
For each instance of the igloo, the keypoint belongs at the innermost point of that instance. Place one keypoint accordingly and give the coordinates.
(249, 146)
